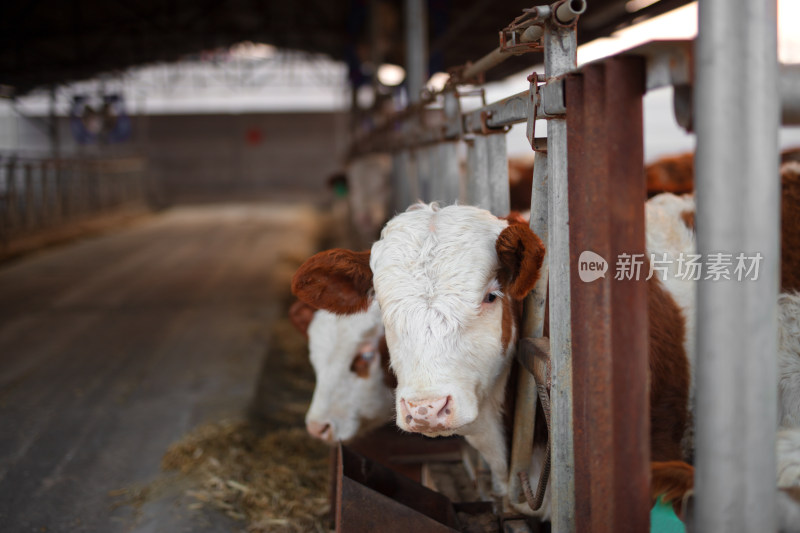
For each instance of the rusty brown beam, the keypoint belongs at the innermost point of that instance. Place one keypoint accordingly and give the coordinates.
(609, 317)
(590, 304)
(625, 87)
(370, 497)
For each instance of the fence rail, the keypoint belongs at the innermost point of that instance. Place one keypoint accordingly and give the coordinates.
(41, 193)
(587, 192)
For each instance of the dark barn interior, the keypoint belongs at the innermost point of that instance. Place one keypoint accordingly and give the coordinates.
(150, 378)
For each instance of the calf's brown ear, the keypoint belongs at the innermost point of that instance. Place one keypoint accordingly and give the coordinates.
(300, 315)
(336, 280)
(521, 254)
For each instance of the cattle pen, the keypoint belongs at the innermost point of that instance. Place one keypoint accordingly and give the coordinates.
(587, 195)
(145, 287)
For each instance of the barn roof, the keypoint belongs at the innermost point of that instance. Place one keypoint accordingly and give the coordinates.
(45, 42)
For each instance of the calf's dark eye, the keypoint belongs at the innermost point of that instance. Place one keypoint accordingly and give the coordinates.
(490, 298)
(360, 366)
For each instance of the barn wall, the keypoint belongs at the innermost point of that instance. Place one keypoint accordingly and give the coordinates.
(203, 157)
(208, 157)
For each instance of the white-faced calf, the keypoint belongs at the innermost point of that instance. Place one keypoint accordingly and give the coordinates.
(450, 284)
(354, 389)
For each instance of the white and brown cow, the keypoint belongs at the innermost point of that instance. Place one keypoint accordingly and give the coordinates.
(450, 283)
(354, 392)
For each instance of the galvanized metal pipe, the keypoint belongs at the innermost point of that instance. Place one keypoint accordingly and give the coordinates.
(533, 326)
(490, 60)
(401, 183)
(738, 206)
(498, 175)
(487, 173)
(450, 173)
(412, 175)
(505, 112)
(560, 57)
(416, 47)
(570, 10)
(477, 172)
(789, 86)
(790, 94)
(424, 172)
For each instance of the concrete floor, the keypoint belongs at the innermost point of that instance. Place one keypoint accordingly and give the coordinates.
(114, 347)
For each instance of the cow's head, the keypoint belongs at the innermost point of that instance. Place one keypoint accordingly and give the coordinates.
(354, 388)
(449, 283)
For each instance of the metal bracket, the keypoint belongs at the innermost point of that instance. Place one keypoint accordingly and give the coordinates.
(553, 102)
(533, 104)
(523, 34)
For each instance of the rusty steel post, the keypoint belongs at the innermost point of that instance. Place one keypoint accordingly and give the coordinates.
(609, 317)
(370, 497)
(625, 87)
(591, 301)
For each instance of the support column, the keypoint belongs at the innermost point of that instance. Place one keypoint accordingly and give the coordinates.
(487, 173)
(560, 57)
(738, 207)
(416, 47)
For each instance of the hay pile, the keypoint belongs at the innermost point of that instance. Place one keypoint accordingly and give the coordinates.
(276, 482)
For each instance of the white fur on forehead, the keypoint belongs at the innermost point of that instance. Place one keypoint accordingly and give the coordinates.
(436, 262)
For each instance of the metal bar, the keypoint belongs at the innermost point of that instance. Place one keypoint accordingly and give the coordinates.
(30, 202)
(624, 143)
(498, 175)
(416, 47)
(12, 201)
(46, 213)
(790, 94)
(508, 111)
(490, 60)
(592, 369)
(560, 57)
(424, 173)
(487, 173)
(414, 178)
(478, 193)
(450, 173)
(370, 497)
(737, 102)
(435, 161)
(533, 326)
(59, 193)
(401, 186)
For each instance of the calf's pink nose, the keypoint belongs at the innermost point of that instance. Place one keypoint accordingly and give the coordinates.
(319, 430)
(427, 414)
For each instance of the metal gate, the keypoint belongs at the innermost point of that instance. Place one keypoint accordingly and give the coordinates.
(588, 193)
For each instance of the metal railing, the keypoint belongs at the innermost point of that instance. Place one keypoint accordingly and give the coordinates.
(588, 191)
(38, 194)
